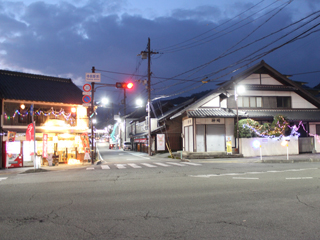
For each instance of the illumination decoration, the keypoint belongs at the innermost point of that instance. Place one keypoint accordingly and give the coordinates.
(67, 116)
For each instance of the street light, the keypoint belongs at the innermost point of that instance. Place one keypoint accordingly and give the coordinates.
(105, 101)
(139, 102)
(237, 91)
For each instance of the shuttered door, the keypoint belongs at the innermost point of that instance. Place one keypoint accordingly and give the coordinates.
(215, 137)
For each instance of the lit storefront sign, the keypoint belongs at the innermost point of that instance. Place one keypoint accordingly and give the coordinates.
(140, 140)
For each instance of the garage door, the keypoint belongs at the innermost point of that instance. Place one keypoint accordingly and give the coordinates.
(215, 138)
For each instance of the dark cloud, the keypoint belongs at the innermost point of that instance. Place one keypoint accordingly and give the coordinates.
(66, 40)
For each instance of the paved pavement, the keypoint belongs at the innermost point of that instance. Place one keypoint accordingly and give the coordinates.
(265, 159)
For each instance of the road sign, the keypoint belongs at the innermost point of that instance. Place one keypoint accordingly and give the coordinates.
(86, 99)
(86, 104)
(86, 93)
(87, 87)
(93, 77)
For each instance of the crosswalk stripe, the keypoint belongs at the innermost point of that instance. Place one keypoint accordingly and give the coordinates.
(177, 164)
(120, 166)
(162, 164)
(134, 165)
(90, 168)
(3, 178)
(148, 165)
(193, 164)
(105, 167)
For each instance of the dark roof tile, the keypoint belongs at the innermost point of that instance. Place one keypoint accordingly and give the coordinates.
(32, 87)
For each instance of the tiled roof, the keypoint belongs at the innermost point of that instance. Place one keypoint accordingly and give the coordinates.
(211, 112)
(32, 87)
(293, 115)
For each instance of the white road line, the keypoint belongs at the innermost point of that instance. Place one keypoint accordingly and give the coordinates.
(205, 176)
(254, 172)
(120, 166)
(148, 165)
(193, 164)
(243, 178)
(177, 164)
(133, 165)
(4, 178)
(299, 178)
(90, 168)
(232, 174)
(162, 164)
(105, 167)
(139, 156)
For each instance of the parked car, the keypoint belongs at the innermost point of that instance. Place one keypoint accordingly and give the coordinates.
(127, 146)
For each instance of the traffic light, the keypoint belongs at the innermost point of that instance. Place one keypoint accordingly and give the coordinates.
(125, 85)
(89, 111)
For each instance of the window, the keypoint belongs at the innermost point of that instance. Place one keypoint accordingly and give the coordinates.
(252, 102)
(284, 102)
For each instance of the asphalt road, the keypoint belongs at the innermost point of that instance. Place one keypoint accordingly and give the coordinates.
(155, 201)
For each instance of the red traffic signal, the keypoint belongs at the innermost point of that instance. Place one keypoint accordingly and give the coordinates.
(125, 85)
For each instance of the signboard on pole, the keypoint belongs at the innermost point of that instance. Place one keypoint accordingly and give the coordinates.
(86, 99)
(86, 87)
(93, 77)
(161, 142)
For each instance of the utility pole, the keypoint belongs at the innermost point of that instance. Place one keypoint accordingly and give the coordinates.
(92, 110)
(149, 93)
(125, 113)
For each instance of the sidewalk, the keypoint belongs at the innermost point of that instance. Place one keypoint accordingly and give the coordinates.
(306, 157)
(61, 167)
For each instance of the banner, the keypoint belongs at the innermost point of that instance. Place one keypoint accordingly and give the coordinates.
(30, 133)
(45, 146)
(229, 145)
(85, 142)
(161, 142)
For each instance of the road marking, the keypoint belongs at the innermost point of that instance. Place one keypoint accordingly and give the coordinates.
(205, 176)
(133, 165)
(148, 165)
(177, 164)
(162, 164)
(136, 155)
(4, 178)
(105, 167)
(90, 168)
(193, 164)
(254, 172)
(299, 178)
(120, 166)
(244, 178)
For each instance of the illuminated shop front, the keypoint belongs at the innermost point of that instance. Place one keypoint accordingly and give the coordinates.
(58, 131)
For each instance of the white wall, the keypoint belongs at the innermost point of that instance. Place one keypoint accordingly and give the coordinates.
(213, 103)
(269, 147)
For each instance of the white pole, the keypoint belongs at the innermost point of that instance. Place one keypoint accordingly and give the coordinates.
(260, 153)
(287, 151)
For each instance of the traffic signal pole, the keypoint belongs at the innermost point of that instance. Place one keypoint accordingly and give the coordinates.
(93, 89)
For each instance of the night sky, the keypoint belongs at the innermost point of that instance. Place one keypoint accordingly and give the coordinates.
(194, 40)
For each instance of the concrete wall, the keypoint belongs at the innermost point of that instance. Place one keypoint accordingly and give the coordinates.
(269, 147)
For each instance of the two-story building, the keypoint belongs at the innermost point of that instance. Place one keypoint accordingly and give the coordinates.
(211, 120)
(55, 105)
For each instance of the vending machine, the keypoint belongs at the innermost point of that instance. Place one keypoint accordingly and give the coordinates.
(12, 154)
